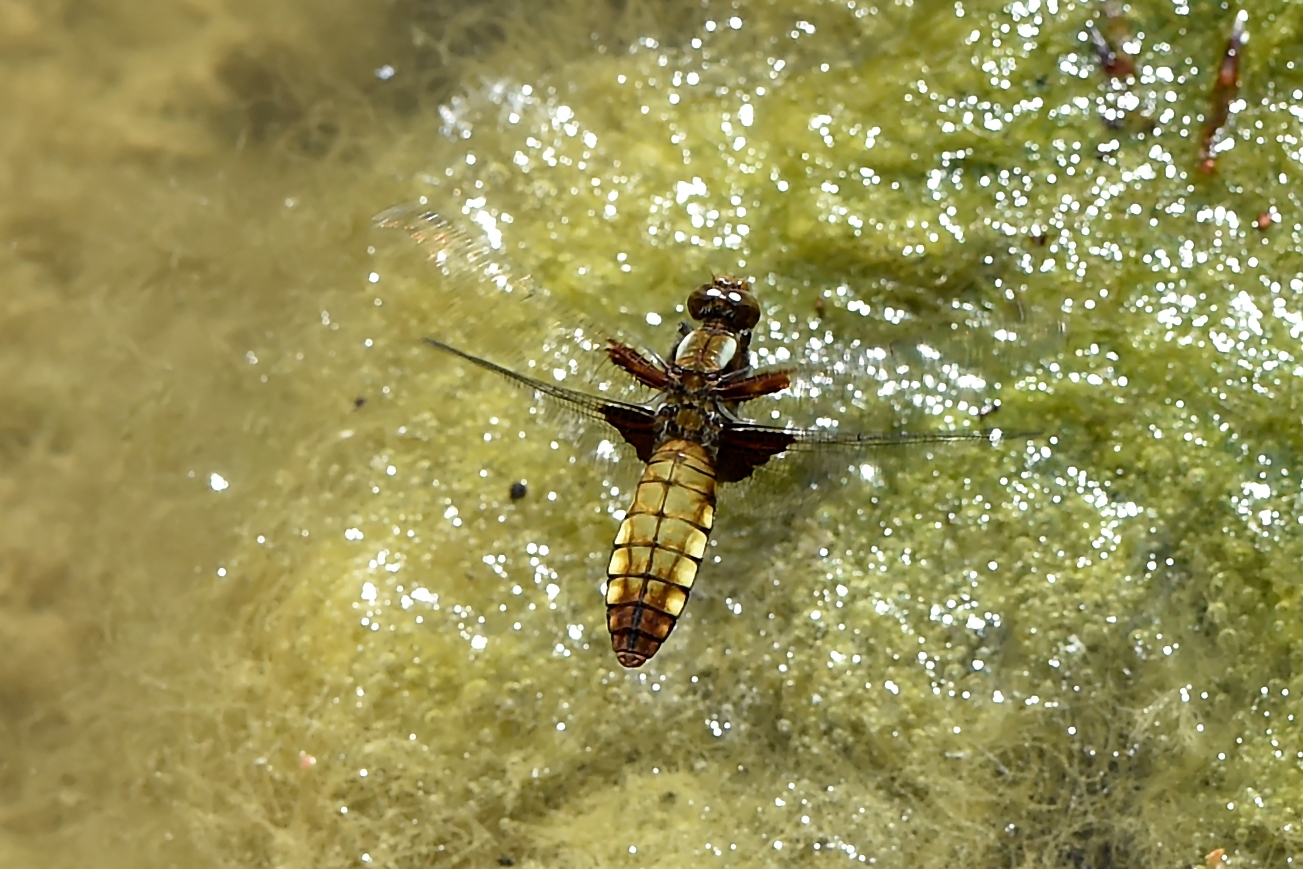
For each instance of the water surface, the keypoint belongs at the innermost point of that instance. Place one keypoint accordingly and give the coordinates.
(265, 594)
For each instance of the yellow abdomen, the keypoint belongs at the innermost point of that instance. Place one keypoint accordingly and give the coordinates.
(658, 549)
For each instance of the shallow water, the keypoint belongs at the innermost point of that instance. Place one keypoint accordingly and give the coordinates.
(264, 595)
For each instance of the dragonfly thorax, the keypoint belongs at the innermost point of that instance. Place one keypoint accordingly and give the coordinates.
(692, 416)
(708, 349)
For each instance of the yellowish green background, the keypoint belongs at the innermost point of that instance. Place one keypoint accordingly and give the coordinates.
(246, 622)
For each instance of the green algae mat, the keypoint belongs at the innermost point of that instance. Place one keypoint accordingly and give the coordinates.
(1075, 649)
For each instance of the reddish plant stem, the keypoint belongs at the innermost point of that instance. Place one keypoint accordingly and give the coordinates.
(1117, 65)
(1225, 89)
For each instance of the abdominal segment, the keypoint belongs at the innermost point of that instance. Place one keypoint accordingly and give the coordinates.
(658, 549)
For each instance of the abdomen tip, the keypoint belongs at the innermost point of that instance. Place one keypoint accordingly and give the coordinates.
(630, 659)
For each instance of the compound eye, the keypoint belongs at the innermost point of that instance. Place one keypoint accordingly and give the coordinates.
(745, 312)
(701, 301)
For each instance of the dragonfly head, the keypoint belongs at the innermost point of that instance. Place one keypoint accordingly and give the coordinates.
(728, 300)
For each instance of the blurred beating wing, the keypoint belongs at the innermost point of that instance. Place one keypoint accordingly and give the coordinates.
(482, 302)
(479, 303)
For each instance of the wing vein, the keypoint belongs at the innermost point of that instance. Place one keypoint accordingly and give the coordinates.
(582, 402)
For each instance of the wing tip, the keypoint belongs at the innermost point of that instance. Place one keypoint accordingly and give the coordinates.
(404, 216)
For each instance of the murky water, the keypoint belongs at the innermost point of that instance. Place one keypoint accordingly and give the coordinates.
(266, 600)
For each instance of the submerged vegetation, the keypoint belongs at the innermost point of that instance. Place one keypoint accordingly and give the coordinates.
(1074, 651)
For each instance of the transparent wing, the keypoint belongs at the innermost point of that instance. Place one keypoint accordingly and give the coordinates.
(581, 403)
(864, 362)
(634, 422)
(869, 371)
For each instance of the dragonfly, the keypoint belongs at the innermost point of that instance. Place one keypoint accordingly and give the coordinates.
(691, 436)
